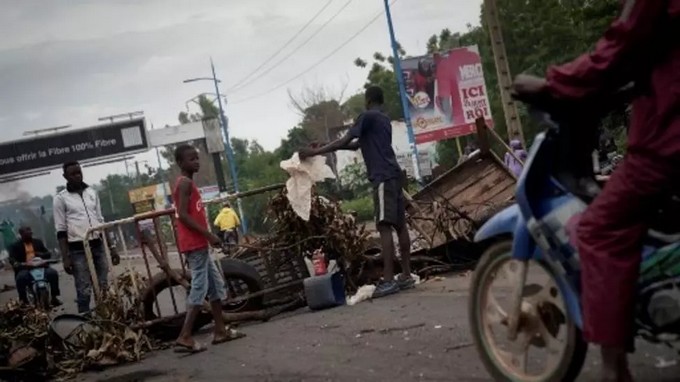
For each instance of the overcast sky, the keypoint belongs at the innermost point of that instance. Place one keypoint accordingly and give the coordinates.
(70, 62)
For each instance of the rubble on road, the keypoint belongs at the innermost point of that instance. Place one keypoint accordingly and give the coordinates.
(347, 241)
(28, 345)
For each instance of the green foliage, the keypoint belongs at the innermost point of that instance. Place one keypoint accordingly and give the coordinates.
(297, 137)
(447, 153)
(382, 74)
(355, 180)
(362, 206)
(113, 195)
(354, 106)
(536, 33)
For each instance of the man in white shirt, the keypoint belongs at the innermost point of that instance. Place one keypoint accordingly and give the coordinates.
(76, 210)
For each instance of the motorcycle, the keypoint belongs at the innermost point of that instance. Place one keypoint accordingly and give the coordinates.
(39, 290)
(532, 329)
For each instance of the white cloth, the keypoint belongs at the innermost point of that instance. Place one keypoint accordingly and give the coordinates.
(303, 175)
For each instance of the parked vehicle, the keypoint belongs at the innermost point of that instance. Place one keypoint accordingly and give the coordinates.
(531, 331)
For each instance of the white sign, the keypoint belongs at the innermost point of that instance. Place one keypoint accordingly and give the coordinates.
(213, 136)
(176, 134)
(406, 163)
(209, 192)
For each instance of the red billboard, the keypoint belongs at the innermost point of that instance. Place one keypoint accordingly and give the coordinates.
(446, 93)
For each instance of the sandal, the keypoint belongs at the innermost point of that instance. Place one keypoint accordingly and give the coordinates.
(232, 334)
(189, 349)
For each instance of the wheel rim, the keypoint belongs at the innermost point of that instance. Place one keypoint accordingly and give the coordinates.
(545, 335)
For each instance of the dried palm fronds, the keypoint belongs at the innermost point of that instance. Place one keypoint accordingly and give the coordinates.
(337, 232)
(26, 341)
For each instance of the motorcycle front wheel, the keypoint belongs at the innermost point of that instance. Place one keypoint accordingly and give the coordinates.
(548, 347)
(42, 299)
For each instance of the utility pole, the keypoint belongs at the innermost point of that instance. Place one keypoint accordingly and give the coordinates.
(161, 176)
(227, 144)
(139, 175)
(230, 152)
(512, 121)
(402, 93)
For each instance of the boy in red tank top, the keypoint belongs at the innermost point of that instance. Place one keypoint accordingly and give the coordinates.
(194, 239)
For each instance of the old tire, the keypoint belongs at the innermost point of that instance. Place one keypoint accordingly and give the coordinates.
(235, 272)
(570, 362)
(170, 329)
(242, 278)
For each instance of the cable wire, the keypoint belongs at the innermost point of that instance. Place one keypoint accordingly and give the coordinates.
(317, 63)
(287, 56)
(284, 46)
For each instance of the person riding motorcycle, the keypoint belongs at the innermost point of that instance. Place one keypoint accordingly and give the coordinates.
(22, 254)
(642, 47)
(227, 221)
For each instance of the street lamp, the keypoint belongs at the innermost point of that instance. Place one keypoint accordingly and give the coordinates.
(225, 132)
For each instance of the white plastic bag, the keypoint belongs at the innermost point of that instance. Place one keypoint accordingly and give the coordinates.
(364, 293)
(303, 175)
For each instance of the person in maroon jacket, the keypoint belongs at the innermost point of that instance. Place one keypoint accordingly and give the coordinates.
(641, 46)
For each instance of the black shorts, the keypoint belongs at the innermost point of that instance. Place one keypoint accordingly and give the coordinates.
(389, 203)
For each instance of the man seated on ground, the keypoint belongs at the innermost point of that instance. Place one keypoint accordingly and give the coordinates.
(21, 255)
(227, 221)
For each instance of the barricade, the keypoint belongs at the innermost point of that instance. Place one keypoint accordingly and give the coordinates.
(159, 244)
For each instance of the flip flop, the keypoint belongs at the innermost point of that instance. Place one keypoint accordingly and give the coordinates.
(232, 335)
(189, 349)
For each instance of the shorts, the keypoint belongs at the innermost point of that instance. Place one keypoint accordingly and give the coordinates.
(206, 280)
(389, 203)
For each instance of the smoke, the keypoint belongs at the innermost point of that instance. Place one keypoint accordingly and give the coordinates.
(13, 191)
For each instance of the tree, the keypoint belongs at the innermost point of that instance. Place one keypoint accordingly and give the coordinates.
(114, 198)
(566, 29)
(297, 137)
(353, 107)
(320, 112)
(381, 74)
(355, 180)
(537, 34)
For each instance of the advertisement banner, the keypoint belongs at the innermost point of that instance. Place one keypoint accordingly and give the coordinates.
(51, 151)
(446, 93)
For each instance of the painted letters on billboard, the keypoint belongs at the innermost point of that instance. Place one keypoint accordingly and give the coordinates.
(51, 151)
(446, 93)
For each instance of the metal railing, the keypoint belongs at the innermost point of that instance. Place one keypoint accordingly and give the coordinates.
(156, 244)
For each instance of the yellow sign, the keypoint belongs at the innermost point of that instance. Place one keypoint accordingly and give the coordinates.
(152, 195)
(142, 194)
(143, 206)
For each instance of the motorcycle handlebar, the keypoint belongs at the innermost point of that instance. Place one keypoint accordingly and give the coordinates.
(593, 107)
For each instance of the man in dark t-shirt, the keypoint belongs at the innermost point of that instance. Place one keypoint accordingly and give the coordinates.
(372, 132)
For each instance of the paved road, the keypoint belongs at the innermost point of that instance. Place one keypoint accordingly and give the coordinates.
(420, 335)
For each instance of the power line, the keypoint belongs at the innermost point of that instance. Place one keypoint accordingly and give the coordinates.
(314, 34)
(285, 45)
(317, 63)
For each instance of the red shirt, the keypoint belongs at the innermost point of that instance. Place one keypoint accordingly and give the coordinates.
(187, 239)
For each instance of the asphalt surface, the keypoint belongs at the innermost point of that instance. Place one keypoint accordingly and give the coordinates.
(420, 335)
